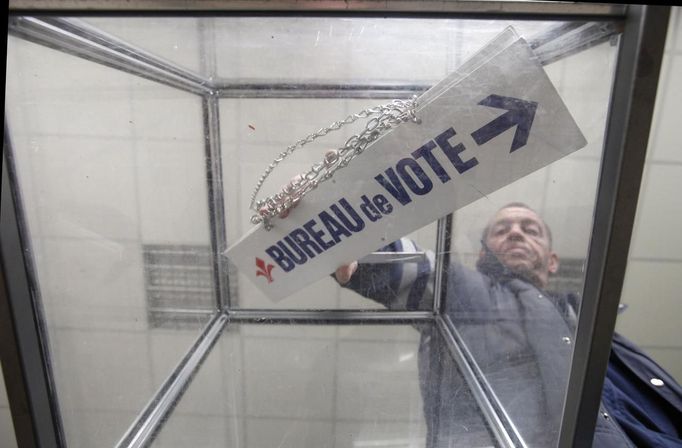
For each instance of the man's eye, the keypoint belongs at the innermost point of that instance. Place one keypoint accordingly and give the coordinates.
(532, 231)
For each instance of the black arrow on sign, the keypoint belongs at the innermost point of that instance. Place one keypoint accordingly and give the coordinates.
(520, 113)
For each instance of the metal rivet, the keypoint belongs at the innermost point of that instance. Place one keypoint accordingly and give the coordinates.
(605, 415)
(657, 382)
(566, 340)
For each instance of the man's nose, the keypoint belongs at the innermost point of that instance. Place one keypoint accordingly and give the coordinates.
(515, 233)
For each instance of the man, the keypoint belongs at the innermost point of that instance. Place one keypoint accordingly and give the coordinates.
(520, 336)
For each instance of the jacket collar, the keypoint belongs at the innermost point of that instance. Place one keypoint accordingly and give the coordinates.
(491, 266)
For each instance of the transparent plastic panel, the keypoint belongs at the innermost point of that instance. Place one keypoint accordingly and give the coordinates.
(111, 173)
(273, 52)
(518, 258)
(351, 49)
(326, 386)
(251, 130)
(181, 41)
(515, 323)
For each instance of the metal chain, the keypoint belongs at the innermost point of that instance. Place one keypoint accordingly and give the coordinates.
(386, 117)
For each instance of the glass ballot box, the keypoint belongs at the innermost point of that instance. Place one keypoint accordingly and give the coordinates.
(480, 219)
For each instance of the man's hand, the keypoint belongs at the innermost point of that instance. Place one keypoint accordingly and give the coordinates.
(345, 272)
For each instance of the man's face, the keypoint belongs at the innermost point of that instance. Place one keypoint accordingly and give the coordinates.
(520, 240)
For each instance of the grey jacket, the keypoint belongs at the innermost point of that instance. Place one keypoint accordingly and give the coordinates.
(520, 337)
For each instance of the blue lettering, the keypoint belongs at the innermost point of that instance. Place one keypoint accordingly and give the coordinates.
(453, 151)
(369, 210)
(426, 152)
(334, 228)
(302, 239)
(426, 184)
(278, 256)
(358, 223)
(394, 186)
(317, 235)
(382, 204)
(300, 259)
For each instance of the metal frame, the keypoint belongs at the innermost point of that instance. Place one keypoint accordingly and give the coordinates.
(216, 204)
(25, 359)
(494, 413)
(627, 136)
(619, 184)
(150, 420)
(443, 243)
(302, 6)
(329, 316)
(81, 40)
(258, 89)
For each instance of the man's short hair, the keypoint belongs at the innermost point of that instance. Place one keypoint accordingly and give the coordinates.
(484, 237)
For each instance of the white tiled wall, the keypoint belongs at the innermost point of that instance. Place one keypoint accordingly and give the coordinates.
(303, 386)
(318, 48)
(653, 279)
(106, 163)
(369, 393)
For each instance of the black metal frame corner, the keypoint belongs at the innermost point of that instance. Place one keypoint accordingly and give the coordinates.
(627, 134)
(24, 347)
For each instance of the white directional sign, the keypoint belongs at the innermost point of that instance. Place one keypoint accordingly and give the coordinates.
(493, 121)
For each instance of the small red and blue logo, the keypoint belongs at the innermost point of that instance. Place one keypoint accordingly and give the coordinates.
(264, 270)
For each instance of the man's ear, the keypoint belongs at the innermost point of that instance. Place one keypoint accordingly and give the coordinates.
(553, 265)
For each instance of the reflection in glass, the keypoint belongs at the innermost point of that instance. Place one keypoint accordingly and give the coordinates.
(515, 335)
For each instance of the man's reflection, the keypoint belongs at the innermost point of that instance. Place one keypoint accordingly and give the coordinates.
(520, 335)
(513, 329)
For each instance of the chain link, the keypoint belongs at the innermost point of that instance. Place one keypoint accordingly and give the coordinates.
(385, 117)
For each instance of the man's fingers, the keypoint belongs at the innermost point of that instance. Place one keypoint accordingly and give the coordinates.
(345, 272)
